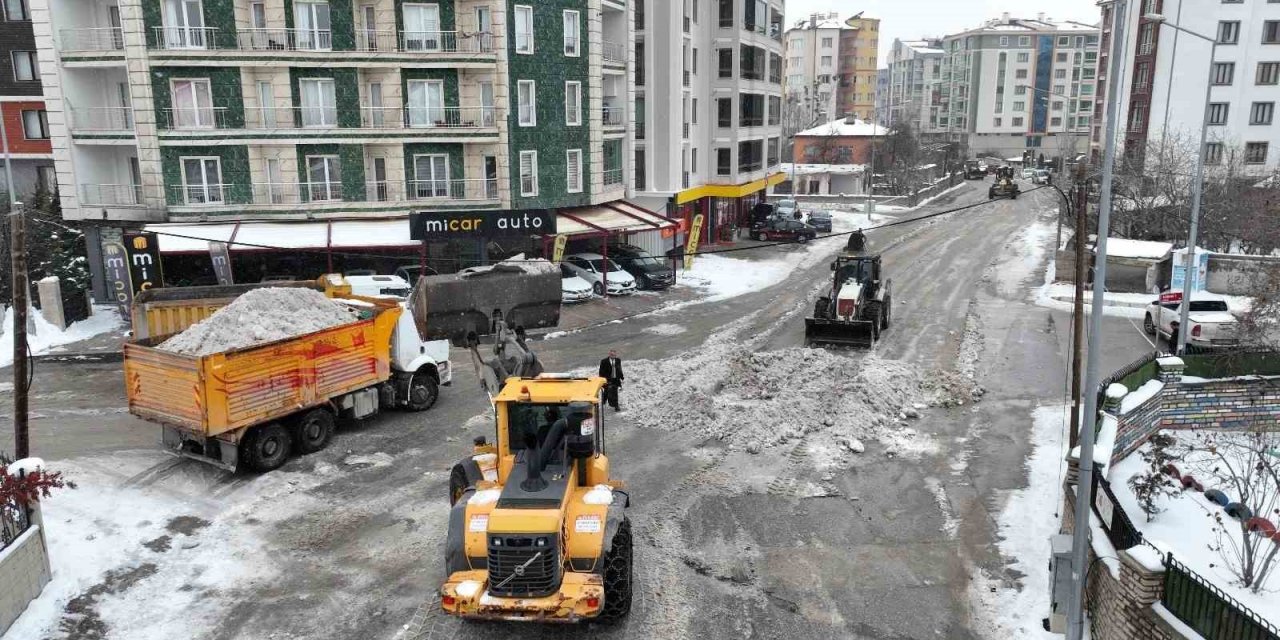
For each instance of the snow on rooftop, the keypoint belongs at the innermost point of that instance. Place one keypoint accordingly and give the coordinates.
(842, 127)
(1125, 248)
(813, 169)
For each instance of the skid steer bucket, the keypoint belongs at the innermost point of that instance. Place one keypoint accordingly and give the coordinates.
(850, 333)
(526, 293)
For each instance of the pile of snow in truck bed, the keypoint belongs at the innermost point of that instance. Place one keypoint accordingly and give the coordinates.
(260, 316)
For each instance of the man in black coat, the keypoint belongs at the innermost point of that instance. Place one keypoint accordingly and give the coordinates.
(611, 371)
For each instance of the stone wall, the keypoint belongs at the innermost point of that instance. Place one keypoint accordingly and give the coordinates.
(24, 567)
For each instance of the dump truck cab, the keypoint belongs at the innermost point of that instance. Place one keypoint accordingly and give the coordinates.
(538, 529)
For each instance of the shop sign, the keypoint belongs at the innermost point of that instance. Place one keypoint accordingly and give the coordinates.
(220, 254)
(558, 253)
(116, 261)
(448, 225)
(692, 246)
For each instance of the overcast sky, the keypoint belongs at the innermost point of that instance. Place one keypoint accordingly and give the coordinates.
(911, 19)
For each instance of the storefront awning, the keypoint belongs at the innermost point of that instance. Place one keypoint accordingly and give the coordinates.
(618, 216)
(728, 190)
(275, 236)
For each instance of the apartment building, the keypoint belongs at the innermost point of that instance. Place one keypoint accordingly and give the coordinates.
(1164, 73)
(291, 125)
(831, 67)
(1014, 84)
(709, 109)
(915, 67)
(22, 112)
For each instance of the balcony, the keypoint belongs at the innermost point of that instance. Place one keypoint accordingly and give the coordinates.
(185, 118)
(284, 40)
(614, 53)
(102, 119)
(614, 116)
(306, 117)
(612, 176)
(1146, 48)
(91, 39)
(180, 38)
(119, 195)
(296, 193)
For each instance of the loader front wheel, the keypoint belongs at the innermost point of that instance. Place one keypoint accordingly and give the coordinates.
(266, 447)
(617, 576)
(313, 431)
(885, 312)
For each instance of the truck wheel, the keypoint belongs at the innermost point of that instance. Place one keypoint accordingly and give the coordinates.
(423, 391)
(1148, 325)
(884, 313)
(457, 484)
(597, 288)
(266, 446)
(617, 576)
(313, 431)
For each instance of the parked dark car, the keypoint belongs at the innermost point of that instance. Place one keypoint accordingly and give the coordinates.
(649, 272)
(785, 230)
(821, 220)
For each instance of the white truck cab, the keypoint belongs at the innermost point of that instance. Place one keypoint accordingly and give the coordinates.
(409, 353)
(374, 285)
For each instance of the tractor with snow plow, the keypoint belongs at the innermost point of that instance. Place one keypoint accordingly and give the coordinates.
(1004, 186)
(857, 309)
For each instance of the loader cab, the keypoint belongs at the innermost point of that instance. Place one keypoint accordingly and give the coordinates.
(527, 411)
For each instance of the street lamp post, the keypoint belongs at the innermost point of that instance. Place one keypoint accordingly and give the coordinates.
(1197, 186)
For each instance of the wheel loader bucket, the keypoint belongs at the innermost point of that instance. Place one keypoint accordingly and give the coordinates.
(525, 292)
(849, 333)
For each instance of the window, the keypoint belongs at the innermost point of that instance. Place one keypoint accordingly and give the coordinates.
(1228, 31)
(1055, 122)
(1218, 112)
(524, 29)
(775, 110)
(1223, 72)
(1024, 41)
(1057, 105)
(324, 178)
(572, 46)
(693, 58)
(26, 67)
(528, 173)
(201, 180)
(1024, 57)
(1262, 112)
(1255, 153)
(1213, 153)
(1020, 74)
(47, 179)
(1062, 56)
(573, 103)
(693, 160)
(426, 103)
(312, 27)
(724, 112)
(1268, 72)
(826, 43)
(193, 104)
(1019, 106)
(1270, 35)
(726, 14)
(35, 125)
(1020, 90)
(430, 176)
(183, 24)
(1059, 74)
(826, 61)
(724, 163)
(527, 101)
(751, 110)
(1004, 42)
(750, 155)
(1138, 117)
(16, 11)
(775, 146)
(573, 170)
(1064, 41)
(1017, 122)
(997, 122)
(725, 57)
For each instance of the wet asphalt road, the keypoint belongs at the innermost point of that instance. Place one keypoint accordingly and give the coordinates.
(896, 562)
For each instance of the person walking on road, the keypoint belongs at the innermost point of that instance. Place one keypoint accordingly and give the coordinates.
(611, 371)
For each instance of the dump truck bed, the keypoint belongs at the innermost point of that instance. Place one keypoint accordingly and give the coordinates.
(213, 394)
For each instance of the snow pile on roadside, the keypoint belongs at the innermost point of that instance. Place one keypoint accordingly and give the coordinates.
(1013, 609)
(723, 278)
(46, 336)
(259, 316)
(755, 401)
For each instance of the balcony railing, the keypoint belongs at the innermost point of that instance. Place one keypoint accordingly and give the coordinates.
(102, 119)
(295, 193)
(424, 41)
(203, 194)
(1146, 48)
(371, 118)
(186, 37)
(612, 177)
(756, 28)
(284, 39)
(92, 39)
(111, 194)
(614, 52)
(461, 189)
(194, 118)
(614, 116)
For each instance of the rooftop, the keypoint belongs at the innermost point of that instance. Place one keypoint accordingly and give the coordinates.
(1040, 23)
(846, 127)
(813, 169)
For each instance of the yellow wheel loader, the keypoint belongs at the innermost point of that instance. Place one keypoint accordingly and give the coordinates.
(538, 530)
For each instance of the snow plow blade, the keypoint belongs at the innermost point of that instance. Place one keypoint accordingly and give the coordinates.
(525, 293)
(849, 333)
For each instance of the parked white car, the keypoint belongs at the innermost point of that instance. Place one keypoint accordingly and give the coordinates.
(593, 268)
(1028, 173)
(1212, 324)
(572, 288)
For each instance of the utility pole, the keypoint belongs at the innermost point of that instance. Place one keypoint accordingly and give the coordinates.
(18, 261)
(1084, 478)
(1081, 207)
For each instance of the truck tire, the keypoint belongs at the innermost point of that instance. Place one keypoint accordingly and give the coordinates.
(423, 391)
(617, 576)
(266, 446)
(458, 484)
(313, 431)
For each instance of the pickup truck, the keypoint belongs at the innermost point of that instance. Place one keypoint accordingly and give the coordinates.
(1212, 325)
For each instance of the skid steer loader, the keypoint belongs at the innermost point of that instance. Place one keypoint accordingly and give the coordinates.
(858, 306)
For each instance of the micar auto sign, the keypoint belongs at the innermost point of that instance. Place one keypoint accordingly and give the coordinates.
(445, 225)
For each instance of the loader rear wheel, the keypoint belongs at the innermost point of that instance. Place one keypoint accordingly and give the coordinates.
(617, 576)
(266, 447)
(313, 431)
(885, 312)
(457, 484)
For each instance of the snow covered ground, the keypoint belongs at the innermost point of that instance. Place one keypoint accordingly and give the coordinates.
(1059, 295)
(1185, 527)
(1014, 609)
(47, 337)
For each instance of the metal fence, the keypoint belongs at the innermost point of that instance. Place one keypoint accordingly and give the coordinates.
(1112, 517)
(14, 519)
(1207, 609)
(1132, 375)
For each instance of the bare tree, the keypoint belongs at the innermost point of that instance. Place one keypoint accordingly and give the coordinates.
(899, 159)
(1259, 326)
